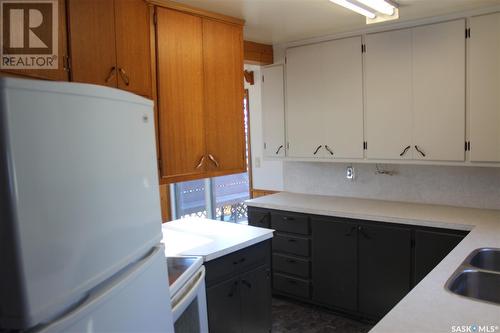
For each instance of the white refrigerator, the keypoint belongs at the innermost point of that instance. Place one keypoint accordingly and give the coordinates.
(80, 212)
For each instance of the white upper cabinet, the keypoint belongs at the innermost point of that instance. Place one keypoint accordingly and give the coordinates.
(325, 100)
(484, 88)
(305, 104)
(273, 111)
(388, 89)
(343, 98)
(439, 91)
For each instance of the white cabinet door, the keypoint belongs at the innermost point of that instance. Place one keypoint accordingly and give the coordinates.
(484, 88)
(439, 91)
(342, 98)
(305, 83)
(388, 84)
(273, 111)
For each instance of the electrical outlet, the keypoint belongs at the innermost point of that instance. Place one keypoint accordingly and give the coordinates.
(350, 172)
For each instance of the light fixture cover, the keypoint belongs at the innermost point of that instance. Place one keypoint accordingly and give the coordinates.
(380, 6)
(355, 7)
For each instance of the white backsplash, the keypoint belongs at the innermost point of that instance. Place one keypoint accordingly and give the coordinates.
(445, 185)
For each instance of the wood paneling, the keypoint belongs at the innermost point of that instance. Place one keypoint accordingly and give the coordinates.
(223, 79)
(258, 54)
(61, 73)
(180, 93)
(92, 41)
(255, 193)
(196, 11)
(132, 22)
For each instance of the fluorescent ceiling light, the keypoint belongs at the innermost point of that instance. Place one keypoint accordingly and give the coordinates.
(355, 8)
(380, 6)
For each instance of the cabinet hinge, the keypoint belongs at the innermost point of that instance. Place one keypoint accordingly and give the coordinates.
(288, 145)
(285, 60)
(265, 145)
(262, 78)
(67, 63)
(365, 145)
(468, 146)
(467, 33)
(363, 48)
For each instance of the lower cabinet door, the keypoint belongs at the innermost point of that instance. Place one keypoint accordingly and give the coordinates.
(334, 258)
(255, 293)
(223, 303)
(430, 248)
(384, 268)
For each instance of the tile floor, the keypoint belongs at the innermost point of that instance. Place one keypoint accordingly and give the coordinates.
(294, 317)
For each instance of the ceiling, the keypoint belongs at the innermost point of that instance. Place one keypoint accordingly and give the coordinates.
(279, 21)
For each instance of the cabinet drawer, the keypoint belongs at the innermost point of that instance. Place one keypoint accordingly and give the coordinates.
(291, 265)
(236, 262)
(289, 222)
(259, 218)
(291, 285)
(291, 244)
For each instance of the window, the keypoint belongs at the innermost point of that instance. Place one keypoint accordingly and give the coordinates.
(219, 198)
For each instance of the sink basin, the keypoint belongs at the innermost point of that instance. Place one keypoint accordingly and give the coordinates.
(481, 285)
(485, 258)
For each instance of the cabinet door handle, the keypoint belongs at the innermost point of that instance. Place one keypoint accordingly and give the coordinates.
(233, 289)
(316, 151)
(287, 218)
(200, 163)
(246, 283)
(111, 74)
(351, 231)
(291, 261)
(212, 158)
(329, 150)
(404, 151)
(279, 148)
(292, 240)
(363, 232)
(292, 281)
(421, 152)
(124, 76)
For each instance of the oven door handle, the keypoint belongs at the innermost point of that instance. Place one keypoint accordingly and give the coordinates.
(187, 294)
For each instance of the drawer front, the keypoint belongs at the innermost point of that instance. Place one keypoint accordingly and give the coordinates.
(289, 222)
(291, 285)
(259, 218)
(291, 244)
(236, 262)
(291, 265)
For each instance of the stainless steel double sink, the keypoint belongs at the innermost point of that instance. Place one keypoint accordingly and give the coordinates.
(478, 277)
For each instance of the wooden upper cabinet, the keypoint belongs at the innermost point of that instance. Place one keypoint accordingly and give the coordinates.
(110, 44)
(223, 80)
(92, 41)
(59, 74)
(133, 48)
(180, 95)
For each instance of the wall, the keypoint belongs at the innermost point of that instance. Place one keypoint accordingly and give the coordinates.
(457, 186)
(266, 174)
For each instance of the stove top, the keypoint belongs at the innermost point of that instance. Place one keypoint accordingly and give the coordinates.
(180, 269)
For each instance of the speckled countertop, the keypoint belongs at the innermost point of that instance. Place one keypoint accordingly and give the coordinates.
(429, 307)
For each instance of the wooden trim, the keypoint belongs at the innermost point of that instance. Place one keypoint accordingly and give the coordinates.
(255, 193)
(196, 11)
(248, 138)
(166, 211)
(258, 54)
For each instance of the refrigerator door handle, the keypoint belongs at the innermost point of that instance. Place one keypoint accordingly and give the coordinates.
(183, 298)
(102, 293)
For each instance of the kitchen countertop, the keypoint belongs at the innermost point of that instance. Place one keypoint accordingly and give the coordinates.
(209, 239)
(428, 307)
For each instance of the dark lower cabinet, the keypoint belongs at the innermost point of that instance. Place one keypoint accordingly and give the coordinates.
(259, 217)
(334, 258)
(384, 260)
(255, 292)
(223, 307)
(239, 291)
(431, 247)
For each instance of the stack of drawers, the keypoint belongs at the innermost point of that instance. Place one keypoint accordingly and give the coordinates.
(291, 254)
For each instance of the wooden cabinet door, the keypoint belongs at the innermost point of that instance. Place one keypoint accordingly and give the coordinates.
(273, 111)
(61, 73)
(439, 91)
(223, 81)
(384, 268)
(223, 307)
(430, 248)
(388, 90)
(304, 83)
(256, 301)
(133, 47)
(334, 263)
(92, 41)
(180, 95)
(484, 88)
(342, 98)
